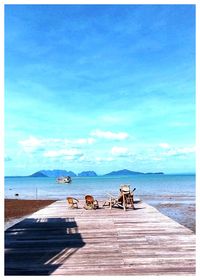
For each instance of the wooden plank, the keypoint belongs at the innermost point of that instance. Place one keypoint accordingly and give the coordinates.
(61, 241)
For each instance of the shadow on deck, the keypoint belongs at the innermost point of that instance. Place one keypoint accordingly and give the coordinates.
(40, 246)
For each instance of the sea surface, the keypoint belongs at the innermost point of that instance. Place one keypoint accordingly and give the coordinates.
(148, 187)
(172, 195)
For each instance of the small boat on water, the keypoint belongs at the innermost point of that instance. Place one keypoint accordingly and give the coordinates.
(64, 180)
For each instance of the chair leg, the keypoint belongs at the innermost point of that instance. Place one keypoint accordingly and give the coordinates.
(110, 203)
(124, 202)
(96, 204)
(132, 202)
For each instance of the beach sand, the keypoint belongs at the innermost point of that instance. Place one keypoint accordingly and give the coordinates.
(183, 213)
(17, 208)
(180, 208)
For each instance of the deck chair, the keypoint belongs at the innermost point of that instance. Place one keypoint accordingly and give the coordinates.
(124, 199)
(127, 195)
(72, 202)
(115, 201)
(90, 202)
(125, 188)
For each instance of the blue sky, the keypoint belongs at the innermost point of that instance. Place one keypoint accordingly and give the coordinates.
(99, 87)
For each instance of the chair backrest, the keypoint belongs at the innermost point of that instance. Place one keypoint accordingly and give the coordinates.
(89, 199)
(125, 188)
(70, 200)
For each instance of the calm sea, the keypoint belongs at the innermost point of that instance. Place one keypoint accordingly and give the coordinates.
(149, 188)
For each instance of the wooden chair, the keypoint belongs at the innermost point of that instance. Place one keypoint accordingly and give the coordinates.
(128, 195)
(124, 200)
(115, 201)
(125, 188)
(72, 202)
(90, 202)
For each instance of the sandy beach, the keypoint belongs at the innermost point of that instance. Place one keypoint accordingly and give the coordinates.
(17, 208)
(182, 213)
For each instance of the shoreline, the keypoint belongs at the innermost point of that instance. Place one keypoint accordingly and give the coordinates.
(183, 213)
(17, 208)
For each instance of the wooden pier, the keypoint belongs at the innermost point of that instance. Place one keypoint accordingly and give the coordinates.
(61, 241)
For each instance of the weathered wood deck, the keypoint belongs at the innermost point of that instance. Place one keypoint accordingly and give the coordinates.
(61, 241)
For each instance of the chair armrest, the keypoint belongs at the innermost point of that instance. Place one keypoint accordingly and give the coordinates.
(111, 196)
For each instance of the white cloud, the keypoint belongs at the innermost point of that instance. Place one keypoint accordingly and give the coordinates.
(179, 151)
(120, 151)
(109, 135)
(31, 144)
(156, 158)
(84, 141)
(164, 145)
(70, 153)
(154, 154)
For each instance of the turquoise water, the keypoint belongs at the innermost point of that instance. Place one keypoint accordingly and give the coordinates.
(148, 187)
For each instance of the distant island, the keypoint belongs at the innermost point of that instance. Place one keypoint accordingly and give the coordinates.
(129, 172)
(87, 174)
(59, 173)
(123, 172)
(38, 174)
(53, 173)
